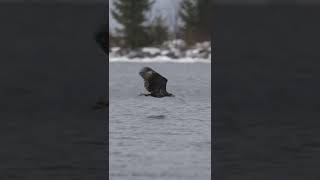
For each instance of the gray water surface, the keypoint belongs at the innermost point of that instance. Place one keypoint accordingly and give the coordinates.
(167, 138)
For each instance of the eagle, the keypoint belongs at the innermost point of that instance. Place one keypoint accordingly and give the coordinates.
(100, 36)
(154, 83)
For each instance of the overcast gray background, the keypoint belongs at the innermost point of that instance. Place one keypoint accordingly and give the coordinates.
(168, 7)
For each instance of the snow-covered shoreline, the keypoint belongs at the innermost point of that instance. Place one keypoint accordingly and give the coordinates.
(161, 59)
(170, 52)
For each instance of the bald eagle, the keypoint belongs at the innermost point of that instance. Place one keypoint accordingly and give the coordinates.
(101, 37)
(154, 83)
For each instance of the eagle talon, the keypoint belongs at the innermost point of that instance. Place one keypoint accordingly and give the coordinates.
(142, 94)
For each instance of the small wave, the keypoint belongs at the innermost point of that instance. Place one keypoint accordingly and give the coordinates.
(160, 59)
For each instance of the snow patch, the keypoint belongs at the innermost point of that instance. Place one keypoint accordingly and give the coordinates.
(174, 51)
(160, 59)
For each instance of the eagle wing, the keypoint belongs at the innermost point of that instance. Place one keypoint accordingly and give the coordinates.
(157, 83)
(154, 83)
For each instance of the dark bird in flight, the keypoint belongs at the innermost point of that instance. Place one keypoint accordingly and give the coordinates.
(102, 38)
(154, 83)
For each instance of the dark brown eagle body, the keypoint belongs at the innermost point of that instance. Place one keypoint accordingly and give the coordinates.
(154, 83)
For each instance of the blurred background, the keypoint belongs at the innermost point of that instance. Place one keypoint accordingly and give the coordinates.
(266, 90)
(160, 21)
(52, 73)
(149, 29)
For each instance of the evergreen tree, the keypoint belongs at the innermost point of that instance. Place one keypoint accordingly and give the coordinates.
(131, 15)
(111, 40)
(205, 12)
(196, 16)
(188, 13)
(158, 31)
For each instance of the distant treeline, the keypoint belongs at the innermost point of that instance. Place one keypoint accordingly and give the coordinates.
(194, 17)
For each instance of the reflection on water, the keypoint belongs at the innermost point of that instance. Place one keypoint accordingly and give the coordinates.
(156, 116)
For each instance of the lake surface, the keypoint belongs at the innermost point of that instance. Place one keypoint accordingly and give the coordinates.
(167, 138)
